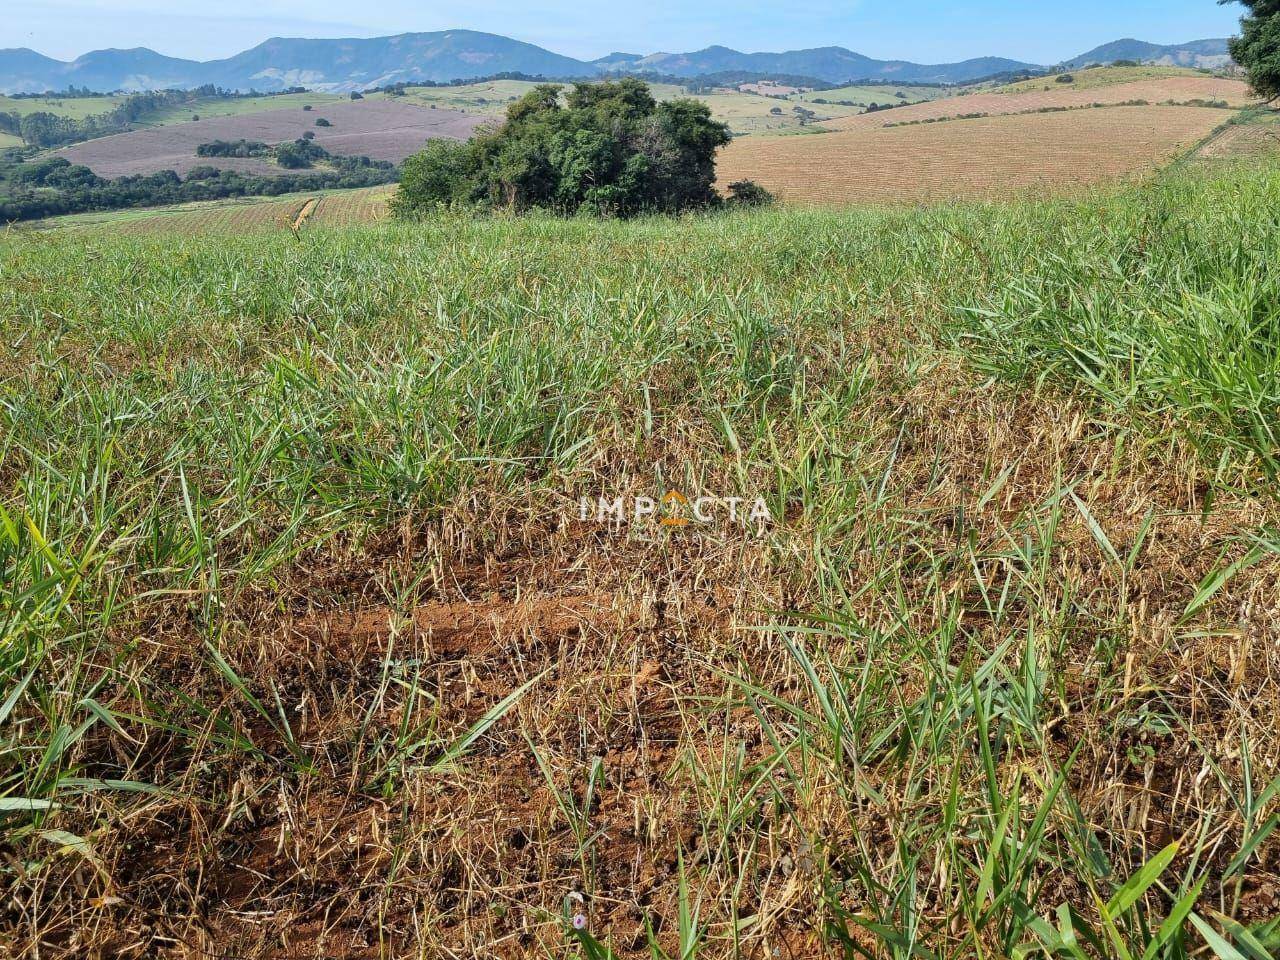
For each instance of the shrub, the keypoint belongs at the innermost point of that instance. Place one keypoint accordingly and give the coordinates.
(1065, 78)
(322, 122)
(748, 193)
(300, 155)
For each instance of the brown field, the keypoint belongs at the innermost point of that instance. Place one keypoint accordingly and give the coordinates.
(1245, 140)
(353, 207)
(1178, 89)
(1099, 77)
(381, 129)
(241, 216)
(990, 157)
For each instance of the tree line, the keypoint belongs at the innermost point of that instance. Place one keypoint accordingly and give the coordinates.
(52, 187)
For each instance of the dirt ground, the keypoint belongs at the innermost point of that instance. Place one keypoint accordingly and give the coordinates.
(605, 774)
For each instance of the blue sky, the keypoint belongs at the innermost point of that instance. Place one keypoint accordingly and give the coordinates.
(921, 30)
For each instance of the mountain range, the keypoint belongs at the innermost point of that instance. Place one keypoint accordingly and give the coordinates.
(344, 65)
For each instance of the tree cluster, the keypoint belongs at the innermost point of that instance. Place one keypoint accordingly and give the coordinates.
(605, 148)
(301, 154)
(233, 148)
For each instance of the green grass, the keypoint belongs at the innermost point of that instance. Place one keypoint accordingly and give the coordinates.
(995, 683)
(9, 140)
(1199, 344)
(236, 213)
(75, 108)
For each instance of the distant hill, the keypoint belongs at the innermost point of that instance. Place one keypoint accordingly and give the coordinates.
(832, 64)
(617, 61)
(1197, 53)
(137, 69)
(25, 71)
(342, 65)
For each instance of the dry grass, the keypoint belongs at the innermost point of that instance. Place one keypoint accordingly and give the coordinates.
(353, 207)
(339, 208)
(226, 217)
(630, 640)
(986, 157)
(1094, 77)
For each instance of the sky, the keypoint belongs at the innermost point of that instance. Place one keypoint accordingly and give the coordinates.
(930, 31)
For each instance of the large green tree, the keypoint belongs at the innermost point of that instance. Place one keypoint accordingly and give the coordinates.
(606, 148)
(1257, 49)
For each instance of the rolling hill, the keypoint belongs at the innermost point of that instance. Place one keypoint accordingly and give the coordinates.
(1197, 53)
